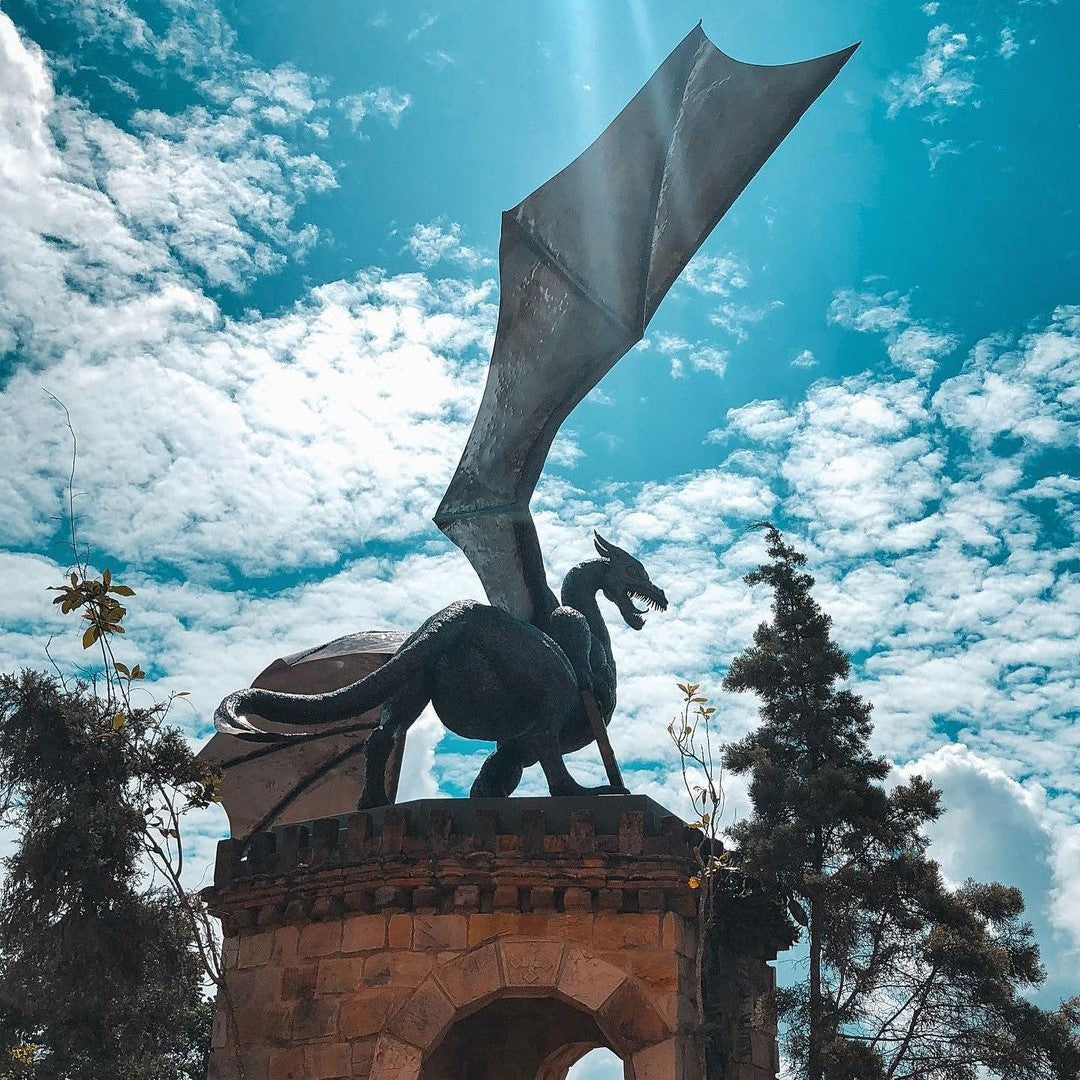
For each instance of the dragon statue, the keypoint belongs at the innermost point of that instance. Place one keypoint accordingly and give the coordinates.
(584, 262)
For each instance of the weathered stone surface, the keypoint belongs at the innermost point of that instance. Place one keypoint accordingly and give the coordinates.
(362, 933)
(399, 932)
(395, 1060)
(629, 1018)
(588, 979)
(340, 974)
(299, 982)
(570, 927)
(255, 949)
(409, 968)
(423, 1017)
(363, 1055)
(530, 964)
(328, 1061)
(577, 900)
(626, 931)
(315, 1018)
(320, 939)
(484, 927)
(287, 1064)
(364, 1012)
(655, 968)
(439, 932)
(472, 976)
(657, 1062)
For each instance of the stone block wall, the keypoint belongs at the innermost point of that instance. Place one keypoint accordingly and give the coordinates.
(425, 941)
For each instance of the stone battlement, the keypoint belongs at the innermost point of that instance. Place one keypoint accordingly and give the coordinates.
(619, 853)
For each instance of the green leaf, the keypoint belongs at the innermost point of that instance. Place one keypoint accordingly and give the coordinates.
(90, 636)
(122, 590)
(123, 669)
(106, 577)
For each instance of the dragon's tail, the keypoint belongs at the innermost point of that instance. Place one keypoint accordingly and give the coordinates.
(319, 709)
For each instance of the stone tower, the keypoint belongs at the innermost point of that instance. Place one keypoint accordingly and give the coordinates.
(454, 939)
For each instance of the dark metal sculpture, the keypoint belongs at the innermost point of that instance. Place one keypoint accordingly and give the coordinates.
(583, 264)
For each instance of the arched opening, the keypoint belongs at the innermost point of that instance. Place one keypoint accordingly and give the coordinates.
(598, 1064)
(512, 1038)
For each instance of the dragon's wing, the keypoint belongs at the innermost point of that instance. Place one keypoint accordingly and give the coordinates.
(584, 262)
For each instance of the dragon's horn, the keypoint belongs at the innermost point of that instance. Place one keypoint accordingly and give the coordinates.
(606, 549)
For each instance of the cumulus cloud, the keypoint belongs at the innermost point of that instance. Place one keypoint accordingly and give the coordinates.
(1030, 390)
(383, 101)
(996, 829)
(941, 78)
(938, 149)
(440, 241)
(716, 275)
(912, 346)
(699, 356)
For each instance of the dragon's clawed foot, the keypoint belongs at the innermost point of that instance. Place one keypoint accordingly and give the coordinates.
(575, 788)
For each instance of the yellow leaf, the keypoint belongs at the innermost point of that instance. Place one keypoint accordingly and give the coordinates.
(118, 721)
(695, 882)
(89, 636)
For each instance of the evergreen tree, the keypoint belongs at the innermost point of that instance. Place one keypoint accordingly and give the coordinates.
(99, 976)
(905, 977)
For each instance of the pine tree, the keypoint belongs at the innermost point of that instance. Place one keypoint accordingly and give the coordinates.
(905, 977)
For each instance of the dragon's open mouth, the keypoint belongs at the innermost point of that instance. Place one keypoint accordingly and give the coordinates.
(653, 599)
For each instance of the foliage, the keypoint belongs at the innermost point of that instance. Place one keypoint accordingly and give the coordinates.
(98, 976)
(906, 978)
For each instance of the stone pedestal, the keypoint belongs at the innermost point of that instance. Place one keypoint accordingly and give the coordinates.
(453, 939)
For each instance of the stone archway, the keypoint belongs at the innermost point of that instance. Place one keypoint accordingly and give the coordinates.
(514, 1038)
(613, 1010)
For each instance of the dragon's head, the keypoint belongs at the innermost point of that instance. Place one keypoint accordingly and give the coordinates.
(625, 581)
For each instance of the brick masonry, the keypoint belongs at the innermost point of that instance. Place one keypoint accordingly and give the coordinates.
(354, 945)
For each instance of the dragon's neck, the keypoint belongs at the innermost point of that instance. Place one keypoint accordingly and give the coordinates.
(579, 589)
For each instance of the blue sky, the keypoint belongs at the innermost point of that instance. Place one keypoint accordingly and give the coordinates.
(253, 252)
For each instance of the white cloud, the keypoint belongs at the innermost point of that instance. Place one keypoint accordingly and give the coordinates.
(440, 241)
(735, 318)
(805, 359)
(941, 78)
(240, 438)
(700, 355)
(912, 346)
(426, 23)
(1030, 391)
(383, 101)
(716, 275)
(1008, 46)
(995, 829)
(938, 149)
(869, 312)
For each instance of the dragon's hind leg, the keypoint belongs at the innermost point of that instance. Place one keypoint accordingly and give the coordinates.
(501, 772)
(398, 714)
